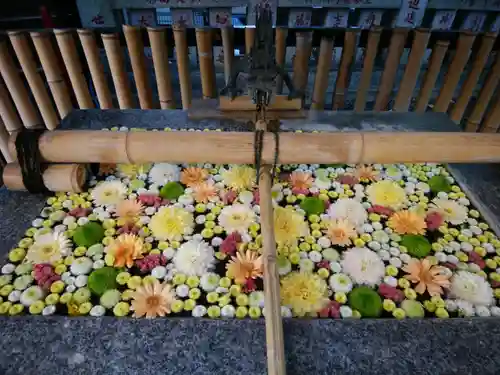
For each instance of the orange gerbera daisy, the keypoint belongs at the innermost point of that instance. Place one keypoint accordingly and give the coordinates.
(430, 278)
(193, 176)
(301, 180)
(128, 211)
(204, 191)
(245, 266)
(152, 299)
(366, 173)
(126, 248)
(407, 222)
(340, 232)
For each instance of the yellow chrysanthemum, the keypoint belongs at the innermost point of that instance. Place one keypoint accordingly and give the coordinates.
(125, 249)
(340, 232)
(289, 225)
(109, 193)
(239, 177)
(387, 194)
(171, 223)
(407, 222)
(48, 248)
(303, 292)
(132, 170)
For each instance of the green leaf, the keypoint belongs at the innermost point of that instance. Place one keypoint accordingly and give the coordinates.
(439, 183)
(171, 191)
(313, 206)
(366, 301)
(418, 246)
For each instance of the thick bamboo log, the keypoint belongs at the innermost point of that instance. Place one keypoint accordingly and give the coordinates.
(405, 92)
(26, 58)
(342, 83)
(492, 119)
(69, 54)
(454, 72)
(281, 34)
(322, 72)
(93, 146)
(4, 143)
(227, 34)
(467, 88)
(206, 61)
(435, 63)
(301, 61)
(135, 47)
(96, 68)
(17, 90)
(50, 64)
(368, 63)
(396, 48)
(118, 73)
(8, 113)
(158, 40)
(57, 177)
(244, 103)
(181, 49)
(249, 39)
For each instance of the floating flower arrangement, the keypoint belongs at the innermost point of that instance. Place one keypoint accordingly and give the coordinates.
(353, 241)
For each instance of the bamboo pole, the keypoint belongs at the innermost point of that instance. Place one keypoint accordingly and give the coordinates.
(396, 47)
(135, 47)
(4, 143)
(118, 73)
(96, 68)
(50, 64)
(206, 61)
(368, 63)
(17, 90)
(412, 70)
(56, 177)
(228, 50)
(158, 40)
(281, 35)
(249, 39)
(492, 119)
(322, 72)
(467, 88)
(181, 50)
(342, 83)
(8, 113)
(27, 61)
(93, 146)
(301, 61)
(454, 72)
(430, 77)
(71, 60)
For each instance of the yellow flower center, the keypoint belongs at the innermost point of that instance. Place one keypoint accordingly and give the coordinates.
(153, 301)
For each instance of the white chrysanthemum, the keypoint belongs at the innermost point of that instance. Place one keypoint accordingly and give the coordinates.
(194, 258)
(340, 282)
(364, 266)
(31, 295)
(209, 281)
(451, 211)
(472, 288)
(162, 173)
(48, 248)
(109, 193)
(236, 218)
(349, 209)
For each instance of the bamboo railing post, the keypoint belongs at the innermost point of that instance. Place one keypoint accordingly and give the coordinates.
(301, 61)
(322, 72)
(492, 119)
(249, 39)
(342, 83)
(26, 58)
(17, 90)
(454, 72)
(206, 61)
(7, 111)
(181, 49)
(467, 88)
(281, 34)
(4, 143)
(51, 68)
(158, 40)
(96, 68)
(227, 34)
(117, 67)
(71, 60)
(396, 47)
(431, 74)
(135, 47)
(368, 63)
(403, 98)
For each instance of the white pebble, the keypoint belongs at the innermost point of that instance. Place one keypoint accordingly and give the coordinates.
(396, 262)
(227, 311)
(303, 255)
(476, 230)
(345, 311)
(256, 209)
(384, 255)
(495, 310)
(451, 305)
(335, 267)
(69, 220)
(169, 253)
(440, 256)
(98, 264)
(37, 223)
(8, 268)
(182, 290)
(150, 210)
(390, 280)
(376, 225)
(489, 247)
(81, 266)
(482, 311)
(374, 245)
(199, 311)
(60, 228)
(159, 272)
(464, 201)
(367, 228)
(472, 221)
(315, 256)
(216, 241)
(324, 242)
(467, 232)
(70, 288)
(67, 204)
(70, 280)
(285, 312)
(149, 239)
(14, 296)
(394, 251)
(200, 219)
(49, 310)
(466, 246)
(405, 258)
(473, 267)
(81, 280)
(442, 195)
(96, 257)
(452, 259)
(455, 245)
(82, 221)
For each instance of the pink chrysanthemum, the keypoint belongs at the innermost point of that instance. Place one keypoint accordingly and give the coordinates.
(151, 261)
(390, 292)
(230, 243)
(332, 310)
(45, 275)
(434, 220)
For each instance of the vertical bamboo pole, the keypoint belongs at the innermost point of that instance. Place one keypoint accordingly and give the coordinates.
(396, 47)
(274, 324)
(228, 50)
(342, 83)
(480, 60)
(26, 58)
(412, 70)
(249, 38)
(7, 111)
(158, 40)
(368, 63)
(4, 143)
(281, 35)
(207, 69)
(135, 47)
(118, 73)
(454, 72)
(181, 50)
(492, 119)
(71, 60)
(96, 68)
(301, 62)
(52, 70)
(431, 74)
(17, 90)
(322, 72)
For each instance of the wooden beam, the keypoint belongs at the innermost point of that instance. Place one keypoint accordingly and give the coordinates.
(342, 84)
(322, 72)
(244, 103)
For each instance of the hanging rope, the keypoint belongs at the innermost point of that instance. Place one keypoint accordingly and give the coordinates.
(30, 160)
